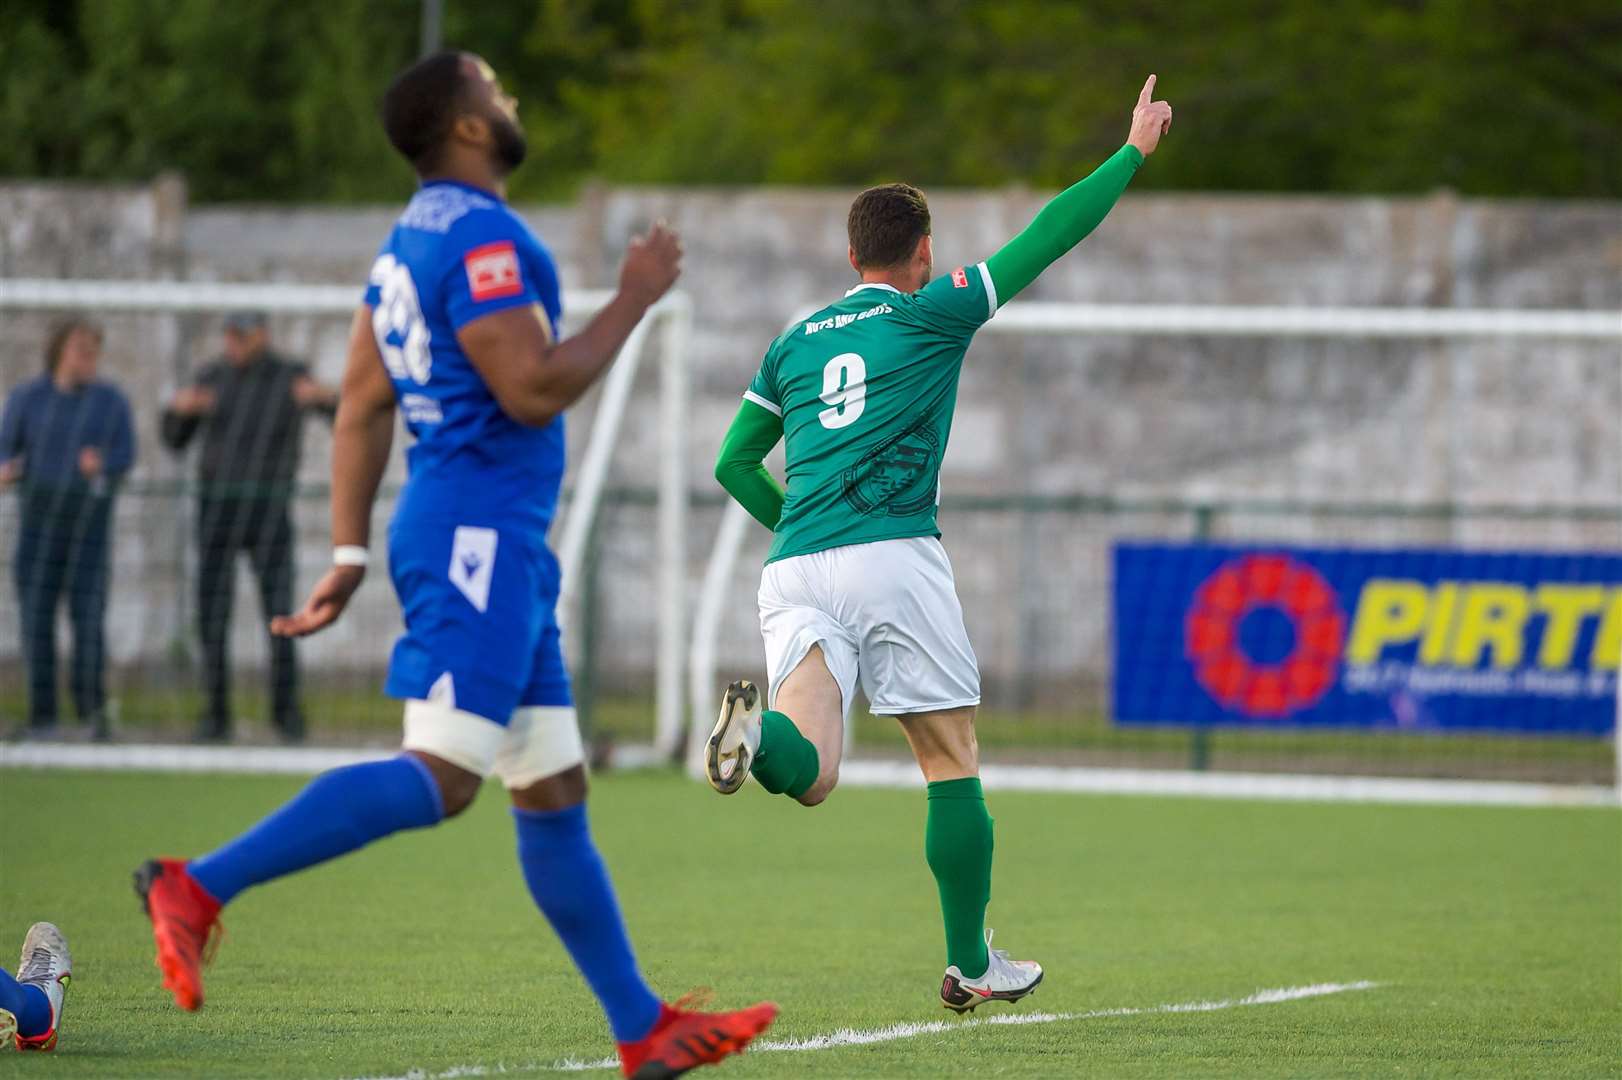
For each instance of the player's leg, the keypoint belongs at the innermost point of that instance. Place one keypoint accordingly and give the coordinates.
(545, 772)
(793, 747)
(31, 1003)
(338, 812)
(958, 848)
(958, 838)
(449, 746)
(543, 766)
(803, 734)
(918, 666)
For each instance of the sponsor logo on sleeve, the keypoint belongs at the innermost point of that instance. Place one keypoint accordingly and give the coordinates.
(960, 278)
(492, 271)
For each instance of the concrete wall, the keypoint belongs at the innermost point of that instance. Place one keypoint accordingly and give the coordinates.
(1128, 416)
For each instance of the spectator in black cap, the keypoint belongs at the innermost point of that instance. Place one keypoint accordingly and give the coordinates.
(66, 440)
(250, 406)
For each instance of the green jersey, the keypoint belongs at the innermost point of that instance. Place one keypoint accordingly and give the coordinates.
(866, 389)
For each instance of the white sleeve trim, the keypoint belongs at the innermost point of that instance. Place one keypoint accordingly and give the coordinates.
(991, 290)
(771, 407)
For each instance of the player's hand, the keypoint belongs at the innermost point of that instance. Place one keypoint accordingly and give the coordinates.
(327, 601)
(652, 265)
(1150, 120)
(11, 471)
(90, 462)
(194, 401)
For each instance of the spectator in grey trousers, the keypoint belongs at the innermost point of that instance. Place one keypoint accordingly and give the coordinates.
(249, 406)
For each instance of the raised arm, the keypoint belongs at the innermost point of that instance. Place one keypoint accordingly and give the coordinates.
(362, 436)
(739, 469)
(1074, 213)
(534, 379)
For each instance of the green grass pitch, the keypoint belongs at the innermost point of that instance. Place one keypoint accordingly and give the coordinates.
(1495, 935)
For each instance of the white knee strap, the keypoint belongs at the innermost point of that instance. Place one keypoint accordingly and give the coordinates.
(464, 739)
(542, 741)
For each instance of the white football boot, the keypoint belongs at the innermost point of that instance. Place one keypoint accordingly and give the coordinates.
(46, 964)
(735, 740)
(1004, 980)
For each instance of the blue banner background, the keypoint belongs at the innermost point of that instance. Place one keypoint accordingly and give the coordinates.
(1157, 682)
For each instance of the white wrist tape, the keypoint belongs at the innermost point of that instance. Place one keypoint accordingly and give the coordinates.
(350, 555)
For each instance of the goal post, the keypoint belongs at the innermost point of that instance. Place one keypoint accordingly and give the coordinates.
(1423, 744)
(667, 327)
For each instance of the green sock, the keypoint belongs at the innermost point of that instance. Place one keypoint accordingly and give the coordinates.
(957, 843)
(787, 761)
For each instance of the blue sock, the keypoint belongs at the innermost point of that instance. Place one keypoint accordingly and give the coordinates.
(27, 1003)
(338, 812)
(569, 882)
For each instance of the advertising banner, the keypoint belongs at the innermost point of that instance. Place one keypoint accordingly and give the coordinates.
(1513, 642)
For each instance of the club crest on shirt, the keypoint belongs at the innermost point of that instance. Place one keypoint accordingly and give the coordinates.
(896, 478)
(960, 278)
(492, 271)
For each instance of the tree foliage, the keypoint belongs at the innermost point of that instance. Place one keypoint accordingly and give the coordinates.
(276, 99)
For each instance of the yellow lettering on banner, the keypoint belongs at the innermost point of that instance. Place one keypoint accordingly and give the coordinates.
(1566, 607)
(1492, 619)
(1439, 627)
(1607, 654)
(1388, 612)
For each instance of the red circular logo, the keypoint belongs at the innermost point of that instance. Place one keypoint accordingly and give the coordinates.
(1211, 635)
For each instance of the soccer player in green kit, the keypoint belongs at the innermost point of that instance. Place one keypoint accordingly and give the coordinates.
(857, 584)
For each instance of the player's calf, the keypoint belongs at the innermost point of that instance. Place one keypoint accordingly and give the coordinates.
(767, 745)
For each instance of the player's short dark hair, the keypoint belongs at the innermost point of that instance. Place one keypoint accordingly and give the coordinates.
(886, 223)
(420, 106)
(58, 339)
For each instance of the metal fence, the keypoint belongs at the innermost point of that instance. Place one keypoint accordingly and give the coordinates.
(1034, 575)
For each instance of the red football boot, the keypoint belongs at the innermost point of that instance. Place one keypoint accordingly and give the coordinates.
(185, 926)
(683, 1040)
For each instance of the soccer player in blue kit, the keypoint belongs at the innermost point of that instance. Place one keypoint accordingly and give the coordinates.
(459, 328)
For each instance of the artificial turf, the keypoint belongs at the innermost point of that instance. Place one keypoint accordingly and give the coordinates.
(1495, 935)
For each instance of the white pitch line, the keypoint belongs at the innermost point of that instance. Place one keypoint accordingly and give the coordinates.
(896, 1032)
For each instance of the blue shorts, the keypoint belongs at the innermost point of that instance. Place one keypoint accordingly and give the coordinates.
(480, 608)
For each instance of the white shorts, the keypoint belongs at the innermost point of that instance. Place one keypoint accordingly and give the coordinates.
(886, 612)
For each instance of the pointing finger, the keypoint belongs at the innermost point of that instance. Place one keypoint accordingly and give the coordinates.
(1147, 92)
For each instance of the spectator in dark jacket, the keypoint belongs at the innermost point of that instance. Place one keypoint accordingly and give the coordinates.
(66, 440)
(249, 406)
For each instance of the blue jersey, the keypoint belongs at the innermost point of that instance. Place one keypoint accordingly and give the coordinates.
(467, 547)
(458, 253)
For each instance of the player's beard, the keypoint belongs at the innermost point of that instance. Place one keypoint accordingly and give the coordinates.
(511, 146)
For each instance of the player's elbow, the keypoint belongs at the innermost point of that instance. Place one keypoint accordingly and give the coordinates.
(536, 409)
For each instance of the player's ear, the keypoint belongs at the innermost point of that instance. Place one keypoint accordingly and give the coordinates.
(471, 128)
(854, 265)
(925, 255)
